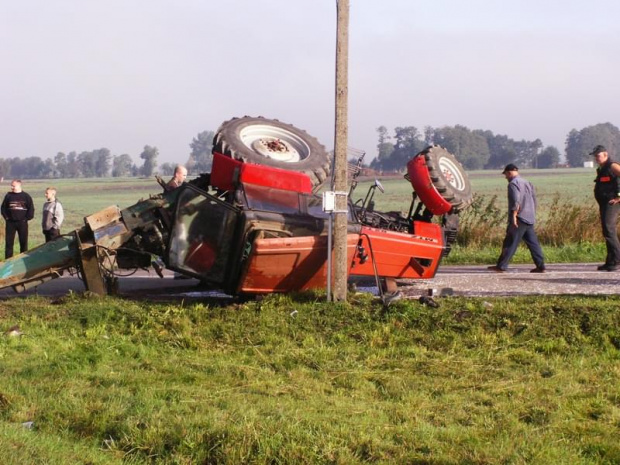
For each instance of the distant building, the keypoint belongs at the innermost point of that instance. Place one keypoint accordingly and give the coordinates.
(588, 164)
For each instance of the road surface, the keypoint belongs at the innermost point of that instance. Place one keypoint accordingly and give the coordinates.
(455, 280)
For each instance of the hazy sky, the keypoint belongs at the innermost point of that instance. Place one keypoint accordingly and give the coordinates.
(79, 75)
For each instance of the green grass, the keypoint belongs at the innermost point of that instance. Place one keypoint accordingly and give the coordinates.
(291, 379)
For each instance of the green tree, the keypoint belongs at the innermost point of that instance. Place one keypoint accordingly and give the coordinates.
(470, 148)
(86, 163)
(501, 149)
(149, 155)
(5, 168)
(580, 143)
(384, 148)
(73, 166)
(407, 144)
(548, 158)
(528, 151)
(60, 161)
(121, 166)
(101, 162)
(167, 169)
(49, 168)
(29, 167)
(201, 158)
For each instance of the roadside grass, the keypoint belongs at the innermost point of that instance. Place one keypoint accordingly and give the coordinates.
(292, 379)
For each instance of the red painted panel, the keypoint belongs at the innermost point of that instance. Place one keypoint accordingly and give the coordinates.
(424, 187)
(227, 173)
(394, 251)
(287, 264)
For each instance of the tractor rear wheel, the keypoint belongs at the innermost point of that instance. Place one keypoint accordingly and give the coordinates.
(270, 142)
(449, 177)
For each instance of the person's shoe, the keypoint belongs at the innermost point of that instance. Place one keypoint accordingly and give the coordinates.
(495, 268)
(608, 267)
(539, 270)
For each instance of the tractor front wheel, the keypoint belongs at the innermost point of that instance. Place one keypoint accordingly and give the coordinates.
(273, 143)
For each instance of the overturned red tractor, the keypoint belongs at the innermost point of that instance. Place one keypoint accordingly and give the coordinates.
(254, 224)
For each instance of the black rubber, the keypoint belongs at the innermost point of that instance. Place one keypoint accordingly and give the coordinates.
(449, 177)
(315, 160)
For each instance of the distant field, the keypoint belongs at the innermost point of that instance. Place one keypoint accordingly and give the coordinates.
(574, 184)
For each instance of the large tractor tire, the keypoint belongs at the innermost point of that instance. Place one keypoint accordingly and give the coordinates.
(272, 143)
(449, 177)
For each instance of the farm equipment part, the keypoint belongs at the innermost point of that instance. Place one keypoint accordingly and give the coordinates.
(255, 225)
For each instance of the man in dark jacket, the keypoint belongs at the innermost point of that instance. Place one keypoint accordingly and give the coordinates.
(17, 209)
(607, 195)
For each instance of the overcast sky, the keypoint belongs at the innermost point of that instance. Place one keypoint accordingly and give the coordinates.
(79, 75)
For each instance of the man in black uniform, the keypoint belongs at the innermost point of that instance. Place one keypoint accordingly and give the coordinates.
(607, 195)
(17, 209)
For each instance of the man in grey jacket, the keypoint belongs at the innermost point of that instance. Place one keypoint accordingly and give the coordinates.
(521, 219)
(53, 215)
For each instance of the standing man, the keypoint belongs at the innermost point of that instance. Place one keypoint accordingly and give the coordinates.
(521, 219)
(607, 195)
(53, 215)
(180, 173)
(17, 209)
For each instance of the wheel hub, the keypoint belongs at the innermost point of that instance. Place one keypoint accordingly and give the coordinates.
(275, 143)
(451, 174)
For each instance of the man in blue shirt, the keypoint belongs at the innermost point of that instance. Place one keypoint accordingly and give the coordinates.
(521, 219)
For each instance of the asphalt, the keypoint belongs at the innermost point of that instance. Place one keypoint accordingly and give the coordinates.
(562, 279)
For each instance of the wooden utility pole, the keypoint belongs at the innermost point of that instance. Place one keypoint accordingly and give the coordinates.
(340, 152)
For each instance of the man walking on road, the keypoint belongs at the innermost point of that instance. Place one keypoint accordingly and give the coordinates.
(521, 219)
(17, 209)
(607, 195)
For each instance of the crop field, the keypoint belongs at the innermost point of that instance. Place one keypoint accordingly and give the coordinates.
(571, 185)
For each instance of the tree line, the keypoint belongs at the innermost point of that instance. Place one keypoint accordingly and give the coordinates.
(482, 149)
(475, 149)
(100, 163)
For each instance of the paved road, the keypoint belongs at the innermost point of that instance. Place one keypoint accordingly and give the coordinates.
(559, 279)
(460, 280)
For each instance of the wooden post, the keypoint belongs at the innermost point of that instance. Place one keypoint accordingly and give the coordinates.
(340, 152)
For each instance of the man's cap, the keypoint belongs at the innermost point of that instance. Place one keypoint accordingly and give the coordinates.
(510, 167)
(598, 149)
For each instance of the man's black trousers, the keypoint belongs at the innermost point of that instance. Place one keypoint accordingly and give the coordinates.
(12, 227)
(609, 221)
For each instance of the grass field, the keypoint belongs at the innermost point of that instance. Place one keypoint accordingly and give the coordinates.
(293, 380)
(574, 185)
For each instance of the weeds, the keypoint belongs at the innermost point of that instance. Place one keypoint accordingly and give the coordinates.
(291, 379)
